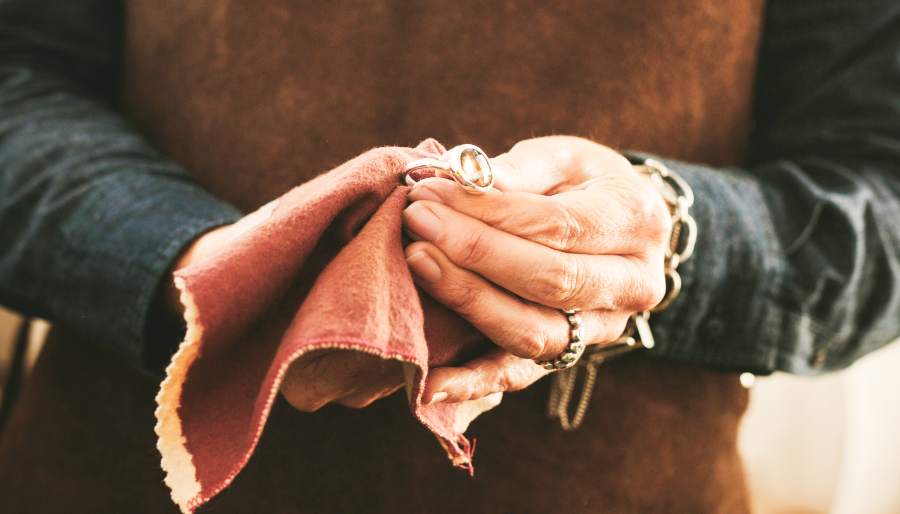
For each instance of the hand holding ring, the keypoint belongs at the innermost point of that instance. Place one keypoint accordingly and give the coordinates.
(467, 164)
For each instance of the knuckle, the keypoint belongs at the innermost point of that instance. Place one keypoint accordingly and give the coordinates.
(520, 377)
(294, 390)
(470, 392)
(563, 284)
(503, 385)
(486, 383)
(534, 344)
(464, 391)
(418, 246)
(499, 382)
(474, 248)
(569, 230)
(653, 215)
(463, 296)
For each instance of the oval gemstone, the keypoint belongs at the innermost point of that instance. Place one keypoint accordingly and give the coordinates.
(475, 167)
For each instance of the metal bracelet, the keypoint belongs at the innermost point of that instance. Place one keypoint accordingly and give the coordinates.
(679, 197)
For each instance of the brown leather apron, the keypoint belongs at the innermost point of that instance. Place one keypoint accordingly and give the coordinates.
(255, 97)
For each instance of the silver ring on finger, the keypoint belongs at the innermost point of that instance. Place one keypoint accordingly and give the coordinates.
(466, 164)
(574, 350)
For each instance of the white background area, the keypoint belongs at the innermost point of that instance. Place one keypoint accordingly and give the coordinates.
(828, 444)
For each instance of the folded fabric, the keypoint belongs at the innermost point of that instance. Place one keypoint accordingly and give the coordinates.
(320, 268)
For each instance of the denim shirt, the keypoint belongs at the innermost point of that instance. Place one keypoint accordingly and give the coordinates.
(796, 266)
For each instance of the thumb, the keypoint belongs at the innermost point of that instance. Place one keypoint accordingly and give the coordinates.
(543, 165)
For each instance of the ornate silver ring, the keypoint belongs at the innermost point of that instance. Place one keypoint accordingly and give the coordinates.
(574, 349)
(467, 164)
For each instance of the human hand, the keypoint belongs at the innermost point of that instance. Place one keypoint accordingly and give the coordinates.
(349, 378)
(571, 226)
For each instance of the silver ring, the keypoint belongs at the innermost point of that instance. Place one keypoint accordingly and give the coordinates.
(467, 164)
(574, 350)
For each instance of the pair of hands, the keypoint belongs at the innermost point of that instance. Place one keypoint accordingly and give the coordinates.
(569, 225)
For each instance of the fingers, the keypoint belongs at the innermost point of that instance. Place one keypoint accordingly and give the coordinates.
(536, 173)
(535, 272)
(565, 192)
(351, 378)
(550, 164)
(366, 398)
(494, 372)
(523, 329)
(632, 216)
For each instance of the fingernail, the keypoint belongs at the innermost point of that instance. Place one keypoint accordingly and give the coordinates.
(434, 190)
(424, 266)
(422, 221)
(438, 397)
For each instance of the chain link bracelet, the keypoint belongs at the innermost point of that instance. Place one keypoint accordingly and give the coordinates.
(679, 198)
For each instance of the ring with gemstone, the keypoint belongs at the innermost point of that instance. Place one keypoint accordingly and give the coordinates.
(467, 164)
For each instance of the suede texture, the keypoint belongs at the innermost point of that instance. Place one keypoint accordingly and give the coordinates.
(258, 98)
(319, 270)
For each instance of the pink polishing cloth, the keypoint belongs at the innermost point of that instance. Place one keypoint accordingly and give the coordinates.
(321, 267)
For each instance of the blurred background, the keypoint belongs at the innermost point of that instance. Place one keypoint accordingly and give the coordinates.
(811, 445)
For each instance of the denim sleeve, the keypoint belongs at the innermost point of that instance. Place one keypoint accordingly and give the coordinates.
(797, 267)
(91, 217)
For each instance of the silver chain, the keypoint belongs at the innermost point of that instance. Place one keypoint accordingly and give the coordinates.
(679, 197)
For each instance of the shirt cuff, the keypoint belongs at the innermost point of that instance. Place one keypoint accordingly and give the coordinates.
(724, 317)
(140, 227)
